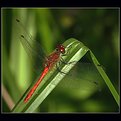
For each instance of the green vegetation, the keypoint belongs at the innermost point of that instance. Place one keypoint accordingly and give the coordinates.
(98, 29)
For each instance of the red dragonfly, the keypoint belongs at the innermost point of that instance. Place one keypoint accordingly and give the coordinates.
(50, 61)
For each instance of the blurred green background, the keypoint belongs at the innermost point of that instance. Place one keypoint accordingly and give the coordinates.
(97, 28)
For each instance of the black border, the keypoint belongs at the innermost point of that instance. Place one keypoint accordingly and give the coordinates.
(59, 3)
(56, 117)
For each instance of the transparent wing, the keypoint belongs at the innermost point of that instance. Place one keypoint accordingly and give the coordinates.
(32, 47)
(82, 77)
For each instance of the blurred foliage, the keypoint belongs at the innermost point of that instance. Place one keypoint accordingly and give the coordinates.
(98, 29)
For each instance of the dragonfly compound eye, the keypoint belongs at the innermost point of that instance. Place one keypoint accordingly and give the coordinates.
(61, 49)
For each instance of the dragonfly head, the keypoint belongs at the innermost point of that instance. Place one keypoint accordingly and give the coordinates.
(60, 48)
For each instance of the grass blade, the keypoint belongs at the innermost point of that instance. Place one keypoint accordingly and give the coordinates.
(76, 51)
(106, 79)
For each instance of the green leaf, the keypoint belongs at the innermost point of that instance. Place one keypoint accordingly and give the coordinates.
(75, 51)
(106, 79)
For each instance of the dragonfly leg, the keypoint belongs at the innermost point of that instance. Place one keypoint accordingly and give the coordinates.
(59, 69)
(62, 60)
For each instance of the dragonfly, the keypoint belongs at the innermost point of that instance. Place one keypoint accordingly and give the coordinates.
(34, 49)
(50, 61)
